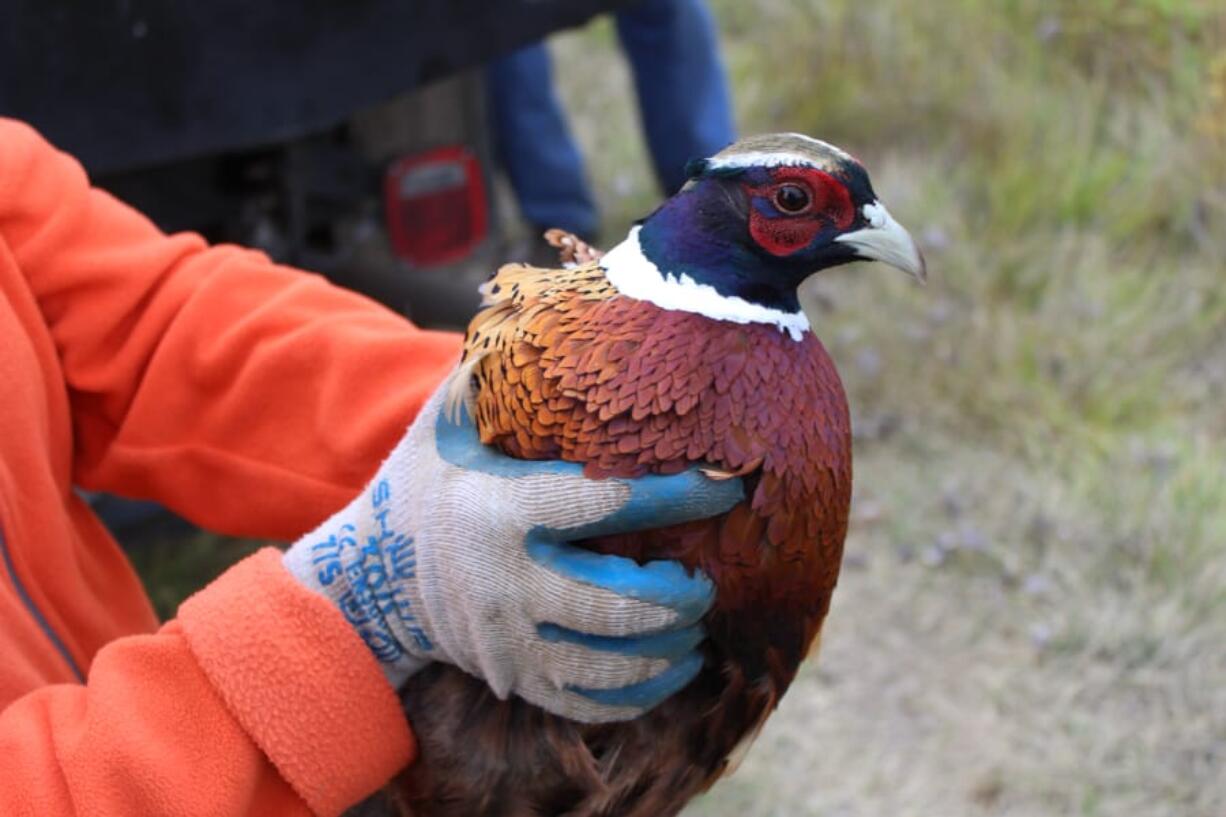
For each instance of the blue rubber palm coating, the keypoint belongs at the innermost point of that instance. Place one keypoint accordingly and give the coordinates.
(649, 693)
(655, 501)
(663, 583)
(673, 644)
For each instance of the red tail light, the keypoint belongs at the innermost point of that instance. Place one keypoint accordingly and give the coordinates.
(436, 205)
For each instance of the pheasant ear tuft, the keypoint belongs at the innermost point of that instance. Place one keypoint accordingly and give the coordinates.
(696, 167)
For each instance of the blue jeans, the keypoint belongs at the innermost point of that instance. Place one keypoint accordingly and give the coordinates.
(683, 100)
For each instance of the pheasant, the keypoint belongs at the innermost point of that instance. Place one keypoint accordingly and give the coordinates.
(684, 345)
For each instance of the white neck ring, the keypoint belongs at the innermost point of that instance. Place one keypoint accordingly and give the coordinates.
(634, 275)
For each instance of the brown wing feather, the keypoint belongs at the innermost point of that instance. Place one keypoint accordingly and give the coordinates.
(564, 367)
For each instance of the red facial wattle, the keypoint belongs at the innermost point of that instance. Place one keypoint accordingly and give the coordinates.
(782, 233)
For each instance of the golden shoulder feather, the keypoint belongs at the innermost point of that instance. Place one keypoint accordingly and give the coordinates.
(511, 300)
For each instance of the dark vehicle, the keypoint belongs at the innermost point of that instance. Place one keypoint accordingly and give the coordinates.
(346, 138)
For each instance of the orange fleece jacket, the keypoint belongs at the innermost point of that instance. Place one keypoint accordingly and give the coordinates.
(252, 399)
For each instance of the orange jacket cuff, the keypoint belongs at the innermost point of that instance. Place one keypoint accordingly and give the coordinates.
(300, 681)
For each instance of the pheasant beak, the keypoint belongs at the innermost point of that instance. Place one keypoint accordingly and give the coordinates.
(885, 240)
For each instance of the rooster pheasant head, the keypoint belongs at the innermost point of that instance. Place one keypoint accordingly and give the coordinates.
(752, 223)
(671, 351)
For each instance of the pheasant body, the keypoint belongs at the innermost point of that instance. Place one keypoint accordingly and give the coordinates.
(563, 364)
(581, 374)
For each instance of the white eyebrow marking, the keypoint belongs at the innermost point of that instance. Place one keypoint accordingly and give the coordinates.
(782, 158)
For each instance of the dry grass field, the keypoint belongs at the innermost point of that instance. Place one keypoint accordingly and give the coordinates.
(1032, 615)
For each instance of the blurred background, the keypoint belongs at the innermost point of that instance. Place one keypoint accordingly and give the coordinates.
(1032, 614)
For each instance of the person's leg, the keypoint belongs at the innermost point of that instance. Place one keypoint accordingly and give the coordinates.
(682, 87)
(534, 143)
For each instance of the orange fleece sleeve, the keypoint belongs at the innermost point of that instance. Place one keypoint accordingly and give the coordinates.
(257, 700)
(252, 399)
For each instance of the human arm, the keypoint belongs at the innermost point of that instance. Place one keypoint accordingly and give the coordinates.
(249, 397)
(457, 553)
(97, 292)
(256, 700)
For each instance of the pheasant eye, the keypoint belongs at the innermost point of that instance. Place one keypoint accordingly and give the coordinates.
(791, 198)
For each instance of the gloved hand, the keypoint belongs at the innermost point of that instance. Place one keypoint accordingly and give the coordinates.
(457, 553)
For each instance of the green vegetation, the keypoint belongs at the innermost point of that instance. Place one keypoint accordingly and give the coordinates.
(175, 564)
(1034, 611)
(1032, 615)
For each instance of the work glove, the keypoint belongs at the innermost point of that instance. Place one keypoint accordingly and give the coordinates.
(455, 552)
